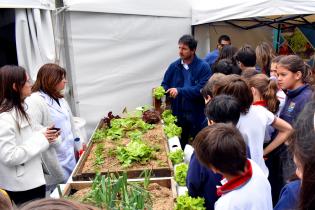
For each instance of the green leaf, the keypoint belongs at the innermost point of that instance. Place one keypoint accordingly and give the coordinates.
(185, 202)
(159, 92)
(176, 156)
(181, 174)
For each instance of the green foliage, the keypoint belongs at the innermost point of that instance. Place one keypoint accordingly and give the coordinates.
(185, 202)
(176, 156)
(114, 133)
(135, 135)
(172, 130)
(116, 193)
(99, 135)
(134, 151)
(168, 118)
(297, 41)
(159, 92)
(181, 174)
(99, 156)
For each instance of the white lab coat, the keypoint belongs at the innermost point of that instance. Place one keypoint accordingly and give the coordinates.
(38, 111)
(20, 148)
(62, 118)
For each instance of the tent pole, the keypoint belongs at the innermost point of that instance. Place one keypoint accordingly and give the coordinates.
(278, 38)
(193, 30)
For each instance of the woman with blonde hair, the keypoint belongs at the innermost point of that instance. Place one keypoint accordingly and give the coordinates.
(264, 55)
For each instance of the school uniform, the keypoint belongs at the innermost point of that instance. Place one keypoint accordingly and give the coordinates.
(289, 196)
(294, 104)
(252, 126)
(250, 191)
(202, 182)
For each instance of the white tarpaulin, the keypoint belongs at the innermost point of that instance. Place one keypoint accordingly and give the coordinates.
(118, 58)
(39, 4)
(35, 43)
(205, 11)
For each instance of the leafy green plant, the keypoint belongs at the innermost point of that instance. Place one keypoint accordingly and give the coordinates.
(176, 156)
(159, 92)
(99, 156)
(134, 151)
(172, 130)
(168, 117)
(116, 193)
(99, 135)
(147, 175)
(185, 202)
(181, 174)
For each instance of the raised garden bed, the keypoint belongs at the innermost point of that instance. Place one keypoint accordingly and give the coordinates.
(160, 165)
(162, 192)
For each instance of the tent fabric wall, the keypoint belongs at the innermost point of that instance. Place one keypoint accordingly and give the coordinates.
(34, 39)
(204, 11)
(118, 59)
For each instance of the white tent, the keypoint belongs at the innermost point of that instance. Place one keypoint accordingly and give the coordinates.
(246, 21)
(119, 50)
(204, 11)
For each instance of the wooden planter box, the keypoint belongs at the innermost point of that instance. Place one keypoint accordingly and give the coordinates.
(80, 175)
(169, 183)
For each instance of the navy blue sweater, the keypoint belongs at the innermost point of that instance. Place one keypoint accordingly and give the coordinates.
(189, 103)
(289, 196)
(202, 182)
(295, 102)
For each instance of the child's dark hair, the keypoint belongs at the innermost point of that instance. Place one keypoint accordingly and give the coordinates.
(224, 37)
(221, 146)
(236, 86)
(268, 90)
(277, 59)
(302, 146)
(246, 55)
(189, 41)
(226, 66)
(223, 109)
(294, 64)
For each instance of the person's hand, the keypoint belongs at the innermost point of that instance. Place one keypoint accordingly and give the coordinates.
(51, 134)
(173, 92)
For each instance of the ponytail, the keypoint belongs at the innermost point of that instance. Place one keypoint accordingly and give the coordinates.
(268, 90)
(307, 74)
(270, 96)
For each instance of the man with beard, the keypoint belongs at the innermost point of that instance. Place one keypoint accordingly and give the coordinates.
(183, 81)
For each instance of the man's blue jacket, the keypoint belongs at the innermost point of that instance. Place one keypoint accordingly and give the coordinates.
(189, 102)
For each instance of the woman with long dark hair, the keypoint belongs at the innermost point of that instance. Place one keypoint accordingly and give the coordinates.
(21, 172)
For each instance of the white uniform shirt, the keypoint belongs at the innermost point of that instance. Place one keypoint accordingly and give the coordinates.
(253, 127)
(254, 195)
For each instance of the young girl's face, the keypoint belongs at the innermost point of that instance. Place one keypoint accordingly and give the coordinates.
(26, 89)
(299, 170)
(288, 80)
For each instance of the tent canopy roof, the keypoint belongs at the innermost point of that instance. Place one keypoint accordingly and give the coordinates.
(40, 4)
(259, 11)
(173, 8)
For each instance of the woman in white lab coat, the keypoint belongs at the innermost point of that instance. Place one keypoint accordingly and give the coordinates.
(50, 82)
(21, 172)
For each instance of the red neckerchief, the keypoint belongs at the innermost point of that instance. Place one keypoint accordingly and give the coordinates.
(237, 182)
(260, 103)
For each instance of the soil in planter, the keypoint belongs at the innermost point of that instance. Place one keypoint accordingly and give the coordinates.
(162, 197)
(154, 137)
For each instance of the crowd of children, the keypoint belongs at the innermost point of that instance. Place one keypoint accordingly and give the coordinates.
(254, 147)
